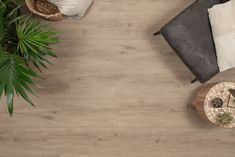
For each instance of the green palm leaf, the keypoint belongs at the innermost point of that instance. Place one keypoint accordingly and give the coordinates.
(15, 78)
(33, 41)
(9, 14)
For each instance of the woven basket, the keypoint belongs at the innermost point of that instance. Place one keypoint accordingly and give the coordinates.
(44, 9)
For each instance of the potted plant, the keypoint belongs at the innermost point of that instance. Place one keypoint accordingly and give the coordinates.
(24, 47)
(217, 102)
(225, 118)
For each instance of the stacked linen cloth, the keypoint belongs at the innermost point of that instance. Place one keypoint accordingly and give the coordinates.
(76, 8)
(222, 19)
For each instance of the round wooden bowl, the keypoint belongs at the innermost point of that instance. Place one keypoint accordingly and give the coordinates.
(44, 9)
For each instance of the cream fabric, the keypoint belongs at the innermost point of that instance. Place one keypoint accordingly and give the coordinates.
(222, 19)
(72, 7)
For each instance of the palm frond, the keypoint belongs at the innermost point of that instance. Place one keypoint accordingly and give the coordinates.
(34, 40)
(9, 14)
(15, 78)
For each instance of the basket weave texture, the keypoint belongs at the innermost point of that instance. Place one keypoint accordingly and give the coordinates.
(44, 9)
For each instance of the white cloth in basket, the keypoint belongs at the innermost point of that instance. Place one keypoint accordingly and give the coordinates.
(72, 7)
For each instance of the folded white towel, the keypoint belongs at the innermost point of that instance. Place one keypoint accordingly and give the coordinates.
(222, 19)
(72, 7)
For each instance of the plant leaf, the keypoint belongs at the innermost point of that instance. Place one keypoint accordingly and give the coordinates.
(15, 78)
(34, 40)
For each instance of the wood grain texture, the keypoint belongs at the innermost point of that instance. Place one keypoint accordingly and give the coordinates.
(199, 101)
(115, 91)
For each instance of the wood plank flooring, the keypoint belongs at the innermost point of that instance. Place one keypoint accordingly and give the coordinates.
(115, 91)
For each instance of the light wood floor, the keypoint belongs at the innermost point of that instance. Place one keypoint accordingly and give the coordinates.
(115, 91)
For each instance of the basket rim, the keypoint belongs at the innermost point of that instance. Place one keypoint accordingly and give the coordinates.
(33, 9)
